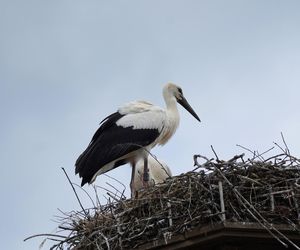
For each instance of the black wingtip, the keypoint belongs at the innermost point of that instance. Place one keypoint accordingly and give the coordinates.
(84, 181)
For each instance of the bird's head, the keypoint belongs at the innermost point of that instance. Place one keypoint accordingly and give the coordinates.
(171, 90)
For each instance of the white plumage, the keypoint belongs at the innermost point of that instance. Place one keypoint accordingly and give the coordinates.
(141, 115)
(158, 173)
(128, 135)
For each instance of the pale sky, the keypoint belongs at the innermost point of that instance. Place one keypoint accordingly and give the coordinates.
(65, 65)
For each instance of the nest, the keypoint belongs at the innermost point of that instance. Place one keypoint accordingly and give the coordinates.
(264, 191)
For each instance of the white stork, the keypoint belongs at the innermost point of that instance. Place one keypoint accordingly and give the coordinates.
(130, 133)
(158, 173)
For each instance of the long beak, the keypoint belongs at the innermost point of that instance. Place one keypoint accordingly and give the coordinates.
(184, 103)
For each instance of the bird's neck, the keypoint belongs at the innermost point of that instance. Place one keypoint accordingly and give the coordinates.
(171, 121)
(172, 110)
(170, 100)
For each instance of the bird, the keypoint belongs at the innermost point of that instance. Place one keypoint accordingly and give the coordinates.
(130, 133)
(158, 173)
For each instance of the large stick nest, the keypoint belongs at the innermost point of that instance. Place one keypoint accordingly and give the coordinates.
(265, 191)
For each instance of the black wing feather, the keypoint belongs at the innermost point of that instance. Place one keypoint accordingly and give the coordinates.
(109, 143)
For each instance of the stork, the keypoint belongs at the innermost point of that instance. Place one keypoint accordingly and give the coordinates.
(158, 173)
(129, 134)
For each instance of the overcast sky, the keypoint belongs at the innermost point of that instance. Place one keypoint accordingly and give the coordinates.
(65, 65)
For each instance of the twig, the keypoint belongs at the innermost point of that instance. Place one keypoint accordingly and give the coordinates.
(286, 146)
(223, 216)
(86, 214)
(47, 235)
(217, 158)
(124, 187)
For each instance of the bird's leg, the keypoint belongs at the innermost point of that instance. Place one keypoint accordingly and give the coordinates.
(133, 192)
(146, 173)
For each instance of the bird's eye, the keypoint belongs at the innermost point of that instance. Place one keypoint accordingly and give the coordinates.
(180, 90)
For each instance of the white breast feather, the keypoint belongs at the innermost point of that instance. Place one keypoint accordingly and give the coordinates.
(142, 115)
(170, 126)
